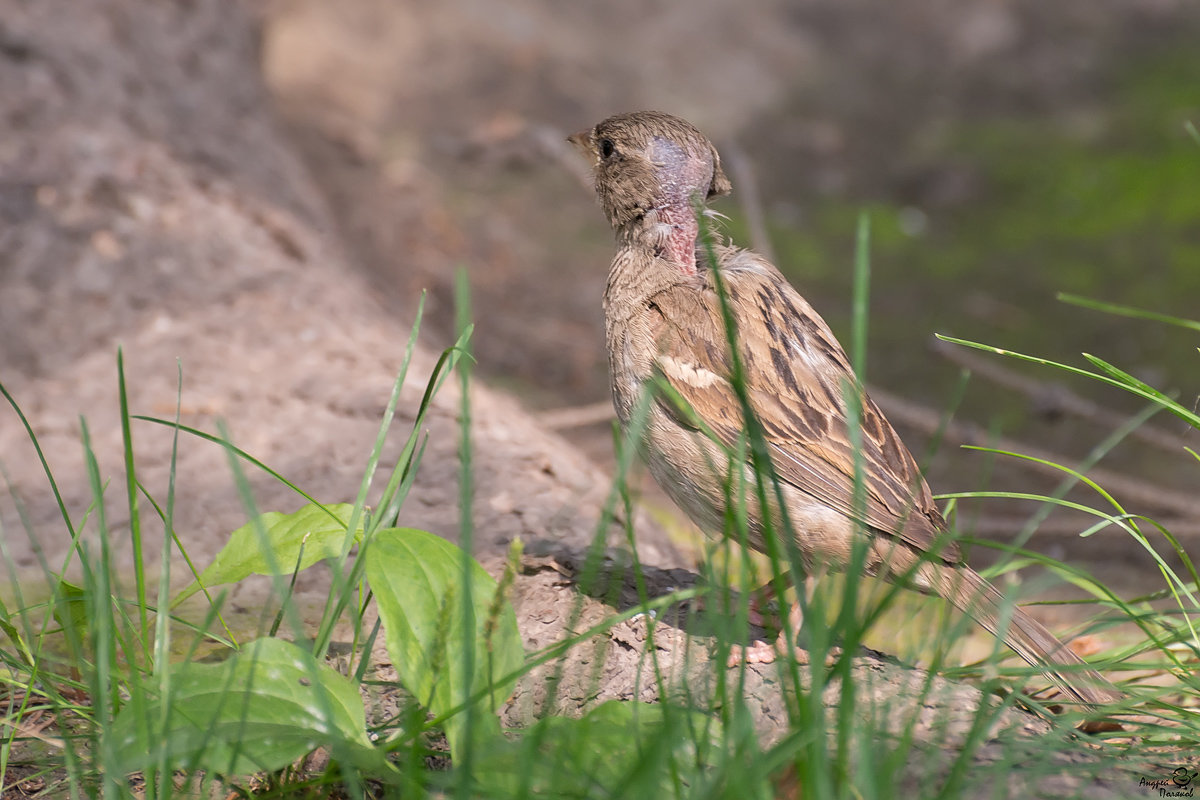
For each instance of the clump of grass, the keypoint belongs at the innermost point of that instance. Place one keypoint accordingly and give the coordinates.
(100, 664)
(1168, 644)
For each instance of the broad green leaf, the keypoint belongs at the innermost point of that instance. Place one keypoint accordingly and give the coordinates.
(618, 749)
(297, 541)
(417, 581)
(70, 610)
(10, 630)
(263, 708)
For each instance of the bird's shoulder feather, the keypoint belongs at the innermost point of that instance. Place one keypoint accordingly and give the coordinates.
(798, 379)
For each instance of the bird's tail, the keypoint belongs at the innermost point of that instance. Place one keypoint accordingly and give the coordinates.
(974, 596)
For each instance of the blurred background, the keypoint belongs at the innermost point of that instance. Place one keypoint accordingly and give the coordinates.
(1005, 150)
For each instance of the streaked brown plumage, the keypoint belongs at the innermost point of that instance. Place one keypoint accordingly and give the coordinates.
(663, 321)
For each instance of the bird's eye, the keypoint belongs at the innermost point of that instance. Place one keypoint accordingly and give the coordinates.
(607, 148)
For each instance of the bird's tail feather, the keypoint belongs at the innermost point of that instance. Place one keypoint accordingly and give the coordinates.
(974, 596)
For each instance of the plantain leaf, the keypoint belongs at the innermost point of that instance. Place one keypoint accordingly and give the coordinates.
(296, 541)
(263, 708)
(417, 581)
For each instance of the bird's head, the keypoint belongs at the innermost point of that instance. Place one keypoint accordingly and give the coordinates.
(649, 161)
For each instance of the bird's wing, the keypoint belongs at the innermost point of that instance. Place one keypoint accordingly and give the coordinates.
(798, 377)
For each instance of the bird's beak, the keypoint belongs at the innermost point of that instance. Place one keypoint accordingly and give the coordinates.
(583, 143)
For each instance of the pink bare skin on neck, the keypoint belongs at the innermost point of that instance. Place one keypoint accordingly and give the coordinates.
(682, 176)
(680, 245)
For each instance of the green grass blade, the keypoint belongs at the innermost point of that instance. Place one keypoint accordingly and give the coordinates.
(131, 494)
(58, 498)
(1128, 311)
(1154, 395)
(336, 602)
(466, 755)
(232, 450)
(860, 307)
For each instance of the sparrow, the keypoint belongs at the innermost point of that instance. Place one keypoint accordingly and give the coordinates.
(653, 173)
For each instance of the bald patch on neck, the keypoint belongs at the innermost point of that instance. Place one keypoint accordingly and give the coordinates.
(683, 174)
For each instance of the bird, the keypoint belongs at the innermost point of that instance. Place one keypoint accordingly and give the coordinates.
(666, 333)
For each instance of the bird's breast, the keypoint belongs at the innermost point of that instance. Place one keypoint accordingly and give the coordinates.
(630, 360)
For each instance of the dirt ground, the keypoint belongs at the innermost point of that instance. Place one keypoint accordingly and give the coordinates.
(269, 236)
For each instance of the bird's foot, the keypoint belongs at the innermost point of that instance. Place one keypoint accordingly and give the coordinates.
(762, 653)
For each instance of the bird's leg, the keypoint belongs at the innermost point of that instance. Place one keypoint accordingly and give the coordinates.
(763, 653)
(758, 611)
(760, 600)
